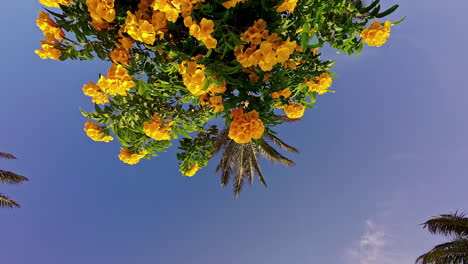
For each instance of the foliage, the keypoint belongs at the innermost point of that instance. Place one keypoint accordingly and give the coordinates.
(453, 252)
(179, 64)
(9, 178)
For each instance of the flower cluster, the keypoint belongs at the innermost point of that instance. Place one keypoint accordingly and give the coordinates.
(285, 93)
(190, 172)
(232, 3)
(141, 29)
(245, 126)
(212, 97)
(294, 110)
(202, 32)
(377, 34)
(101, 11)
(53, 36)
(272, 50)
(157, 129)
(173, 8)
(321, 84)
(287, 5)
(55, 3)
(95, 132)
(95, 92)
(193, 75)
(117, 82)
(130, 157)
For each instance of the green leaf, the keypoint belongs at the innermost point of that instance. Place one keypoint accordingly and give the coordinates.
(399, 21)
(387, 12)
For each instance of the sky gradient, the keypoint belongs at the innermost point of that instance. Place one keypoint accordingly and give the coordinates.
(384, 153)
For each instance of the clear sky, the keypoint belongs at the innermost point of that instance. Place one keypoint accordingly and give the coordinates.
(380, 156)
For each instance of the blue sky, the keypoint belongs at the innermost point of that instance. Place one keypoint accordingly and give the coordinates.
(380, 156)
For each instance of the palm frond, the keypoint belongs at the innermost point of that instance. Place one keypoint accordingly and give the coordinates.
(239, 180)
(454, 252)
(222, 140)
(7, 202)
(448, 224)
(281, 143)
(256, 165)
(11, 178)
(6, 156)
(267, 151)
(227, 163)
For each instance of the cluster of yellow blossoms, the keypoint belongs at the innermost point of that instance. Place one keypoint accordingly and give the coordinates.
(117, 82)
(101, 11)
(285, 93)
(95, 132)
(294, 110)
(130, 157)
(191, 171)
(53, 36)
(377, 34)
(193, 75)
(202, 32)
(287, 5)
(140, 29)
(272, 50)
(172, 8)
(212, 97)
(320, 84)
(232, 3)
(95, 92)
(55, 3)
(157, 129)
(245, 126)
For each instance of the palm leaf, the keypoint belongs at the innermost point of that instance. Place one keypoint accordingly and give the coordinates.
(270, 153)
(6, 202)
(454, 252)
(239, 180)
(221, 141)
(448, 224)
(11, 178)
(6, 156)
(281, 143)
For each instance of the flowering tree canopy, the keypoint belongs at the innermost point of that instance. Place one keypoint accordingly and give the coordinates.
(177, 64)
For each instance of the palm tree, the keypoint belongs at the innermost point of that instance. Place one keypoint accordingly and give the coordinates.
(454, 252)
(9, 178)
(241, 160)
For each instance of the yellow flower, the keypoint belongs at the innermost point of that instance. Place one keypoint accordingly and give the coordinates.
(48, 51)
(191, 171)
(117, 82)
(130, 157)
(101, 10)
(193, 75)
(95, 93)
(202, 32)
(49, 28)
(376, 35)
(120, 55)
(245, 126)
(287, 5)
(320, 84)
(157, 129)
(285, 93)
(232, 3)
(216, 102)
(139, 29)
(95, 132)
(55, 3)
(293, 110)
